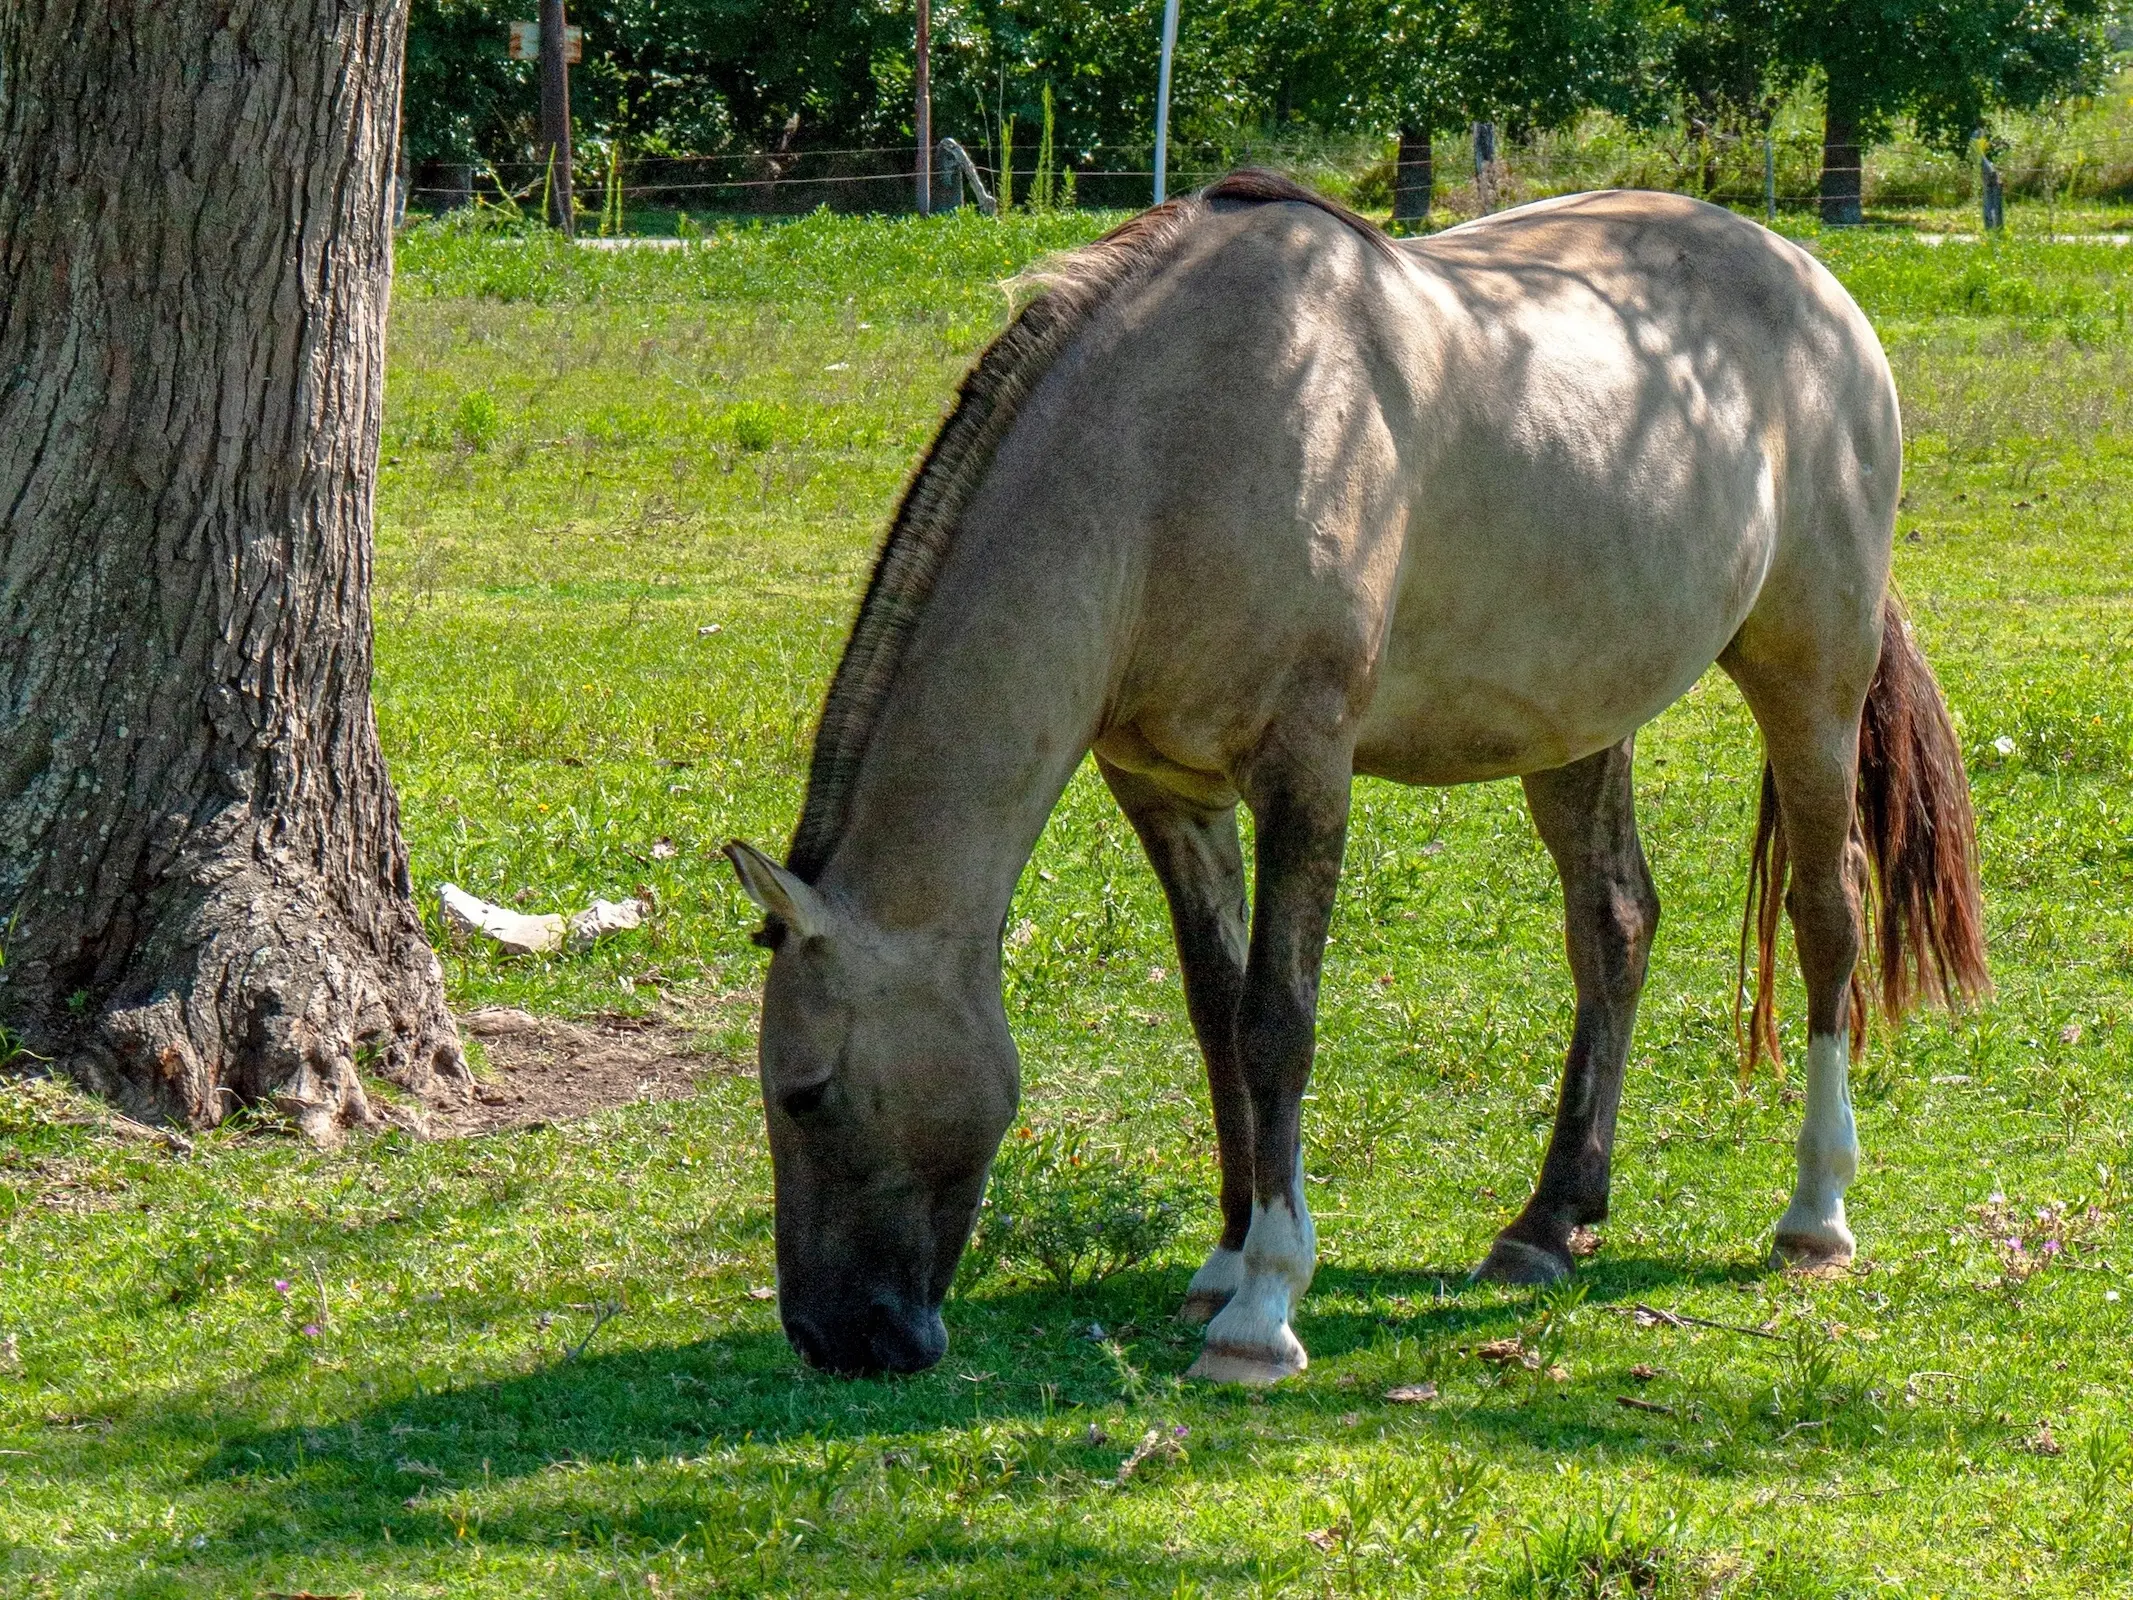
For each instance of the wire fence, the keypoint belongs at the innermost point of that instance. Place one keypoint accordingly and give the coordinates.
(1780, 169)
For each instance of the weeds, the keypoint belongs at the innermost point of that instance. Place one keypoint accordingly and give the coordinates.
(1400, 1521)
(1597, 1553)
(1807, 1373)
(477, 421)
(1069, 1212)
(754, 426)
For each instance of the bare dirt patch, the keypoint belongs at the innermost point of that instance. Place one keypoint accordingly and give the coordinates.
(542, 1069)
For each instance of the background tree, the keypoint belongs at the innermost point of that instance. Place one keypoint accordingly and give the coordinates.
(669, 77)
(1728, 67)
(203, 889)
(1425, 67)
(1945, 63)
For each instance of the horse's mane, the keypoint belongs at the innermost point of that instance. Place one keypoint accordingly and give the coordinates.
(1072, 288)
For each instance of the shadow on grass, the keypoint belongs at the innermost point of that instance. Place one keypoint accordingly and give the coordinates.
(729, 1440)
(1015, 1355)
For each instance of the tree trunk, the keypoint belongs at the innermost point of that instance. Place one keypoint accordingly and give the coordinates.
(204, 891)
(1414, 177)
(1840, 162)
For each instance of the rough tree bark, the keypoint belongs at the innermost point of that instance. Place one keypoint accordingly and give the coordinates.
(1841, 191)
(1414, 176)
(203, 889)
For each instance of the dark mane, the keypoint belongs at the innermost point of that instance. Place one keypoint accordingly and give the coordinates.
(1073, 288)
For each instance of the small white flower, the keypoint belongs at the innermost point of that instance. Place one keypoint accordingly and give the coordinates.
(2111, 1296)
(2004, 745)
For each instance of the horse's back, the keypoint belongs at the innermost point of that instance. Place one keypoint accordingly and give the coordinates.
(1646, 408)
(1506, 493)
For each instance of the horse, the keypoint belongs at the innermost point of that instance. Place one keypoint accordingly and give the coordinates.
(1250, 498)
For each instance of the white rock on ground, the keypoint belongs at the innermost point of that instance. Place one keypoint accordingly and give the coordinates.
(604, 917)
(515, 934)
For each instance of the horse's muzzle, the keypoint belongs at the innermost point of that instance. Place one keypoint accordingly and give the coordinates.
(884, 1336)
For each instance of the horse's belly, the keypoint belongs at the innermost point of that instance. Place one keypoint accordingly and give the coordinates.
(1494, 668)
(1444, 726)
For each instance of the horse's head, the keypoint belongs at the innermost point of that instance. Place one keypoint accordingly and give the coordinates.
(888, 1078)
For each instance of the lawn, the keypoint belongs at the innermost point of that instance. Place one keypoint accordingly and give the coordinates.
(628, 502)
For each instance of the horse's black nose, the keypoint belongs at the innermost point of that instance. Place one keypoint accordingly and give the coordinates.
(878, 1338)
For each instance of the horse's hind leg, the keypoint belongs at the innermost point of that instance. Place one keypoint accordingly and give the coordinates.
(1811, 731)
(1586, 816)
(1193, 849)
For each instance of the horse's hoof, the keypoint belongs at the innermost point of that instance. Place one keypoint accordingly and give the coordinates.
(1201, 1305)
(1229, 1363)
(1514, 1261)
(1812, 1252)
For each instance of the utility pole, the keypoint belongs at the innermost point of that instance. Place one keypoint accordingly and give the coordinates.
(1162, 96)
(923, 80)
(555, 115)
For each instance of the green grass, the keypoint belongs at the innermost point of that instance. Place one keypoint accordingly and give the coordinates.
(592, 460)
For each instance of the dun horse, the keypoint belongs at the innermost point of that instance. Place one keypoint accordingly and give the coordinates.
(1250, 499)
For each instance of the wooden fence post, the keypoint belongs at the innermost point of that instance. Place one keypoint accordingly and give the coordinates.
(923, 85)
(555, 116)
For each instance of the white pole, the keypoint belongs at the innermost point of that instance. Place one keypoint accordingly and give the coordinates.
(1162, 95)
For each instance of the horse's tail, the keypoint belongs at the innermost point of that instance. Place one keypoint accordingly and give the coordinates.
(1912, 825)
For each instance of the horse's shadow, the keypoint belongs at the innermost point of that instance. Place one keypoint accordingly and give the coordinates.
(1016, 1354)
(717, 1429)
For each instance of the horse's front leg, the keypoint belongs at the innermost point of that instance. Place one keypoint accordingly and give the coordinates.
(1302, 817)
(1586, 816)
(1193, 848)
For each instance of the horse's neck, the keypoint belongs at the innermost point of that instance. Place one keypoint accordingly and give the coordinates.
(992, 707)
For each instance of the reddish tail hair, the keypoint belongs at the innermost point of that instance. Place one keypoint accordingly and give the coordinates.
(1914, 860)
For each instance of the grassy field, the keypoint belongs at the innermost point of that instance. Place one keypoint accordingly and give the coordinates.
(627, 505)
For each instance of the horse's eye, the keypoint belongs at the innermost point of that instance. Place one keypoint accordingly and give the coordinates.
(802, 1102)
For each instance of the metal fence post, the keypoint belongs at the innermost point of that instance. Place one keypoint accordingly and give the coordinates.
(1162, 96)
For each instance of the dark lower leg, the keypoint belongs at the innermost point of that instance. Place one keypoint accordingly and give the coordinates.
(1302, 816)
(1585, 815)
(1196, 859)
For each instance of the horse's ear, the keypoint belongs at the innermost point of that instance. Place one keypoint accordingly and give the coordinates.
(777, 893)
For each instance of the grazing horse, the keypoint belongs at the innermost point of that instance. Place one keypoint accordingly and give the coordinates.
(1249, 499)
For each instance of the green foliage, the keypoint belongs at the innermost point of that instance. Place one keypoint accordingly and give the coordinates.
(1043, 194)
(1945, 65)
(1401, 1519)
(754, 425)
(477, 423)
(1593, 1553)
(674, 77)
(1060, 1207)
(1006, 195)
